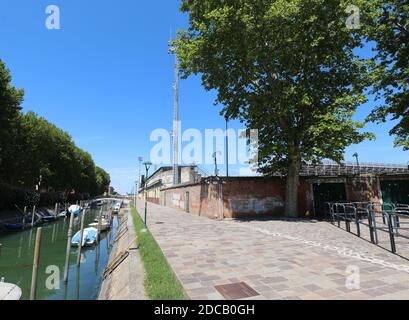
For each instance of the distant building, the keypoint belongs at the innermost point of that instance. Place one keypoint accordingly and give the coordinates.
(162, 178)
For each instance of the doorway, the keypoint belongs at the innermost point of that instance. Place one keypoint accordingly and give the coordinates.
(396, 191)
(327, 192)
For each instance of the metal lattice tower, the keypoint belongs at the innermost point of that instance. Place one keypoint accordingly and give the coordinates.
(172, 50)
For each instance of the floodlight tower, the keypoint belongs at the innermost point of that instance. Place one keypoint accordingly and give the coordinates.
(140, 159)
(172, 50)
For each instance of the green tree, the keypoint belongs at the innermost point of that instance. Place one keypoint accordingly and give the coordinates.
(103, 181)
(387, 24)
(10, 106)
(284, 67)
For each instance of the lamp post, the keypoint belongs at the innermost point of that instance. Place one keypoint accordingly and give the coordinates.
(357, 162)
(147, 166)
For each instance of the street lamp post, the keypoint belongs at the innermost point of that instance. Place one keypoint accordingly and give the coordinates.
(147, 166)
(357, 162)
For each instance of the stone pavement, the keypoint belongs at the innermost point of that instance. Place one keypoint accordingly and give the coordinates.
(279, 259)
(126, 281)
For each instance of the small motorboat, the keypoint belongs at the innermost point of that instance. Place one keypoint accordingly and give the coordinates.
(62, 214)
(75, 210)
(14, 226)
(88, 239)
(22, 225)
(116, 208)
(9, 291)
(105, 225)
(49, 218)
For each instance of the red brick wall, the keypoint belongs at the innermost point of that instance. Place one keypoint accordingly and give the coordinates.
(241, 197)
(363, 189)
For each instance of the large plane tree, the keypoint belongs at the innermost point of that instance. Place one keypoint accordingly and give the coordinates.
(284, 67)
(387, 25)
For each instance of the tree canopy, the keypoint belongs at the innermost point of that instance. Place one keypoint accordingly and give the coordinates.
(31, 146)
(387, 24)
(284, 67)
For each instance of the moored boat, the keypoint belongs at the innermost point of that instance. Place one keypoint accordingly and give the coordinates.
(74, 209)
(88, 239)
(9, 291)
(62, 214)
(105, 225)
(14, 226)
(49, 218)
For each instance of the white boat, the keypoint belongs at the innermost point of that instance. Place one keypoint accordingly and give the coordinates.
(88, 239)
(9, 291)
(116, 208)
(62, 214)
(74, 209)
(104, 224)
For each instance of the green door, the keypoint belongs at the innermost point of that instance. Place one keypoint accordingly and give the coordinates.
(395, 191)
(327, 192)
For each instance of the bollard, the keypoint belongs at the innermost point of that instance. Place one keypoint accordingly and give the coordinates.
(391, 234)
(358, 228)
(68, 250)
(36, 261)
(32, 216)
(371, 230)
(81, 236)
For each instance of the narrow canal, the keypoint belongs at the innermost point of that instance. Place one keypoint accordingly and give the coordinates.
(16, 261)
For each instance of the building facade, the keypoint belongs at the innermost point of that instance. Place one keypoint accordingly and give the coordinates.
(235, 197)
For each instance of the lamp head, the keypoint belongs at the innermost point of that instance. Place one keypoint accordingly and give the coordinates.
(147, 165)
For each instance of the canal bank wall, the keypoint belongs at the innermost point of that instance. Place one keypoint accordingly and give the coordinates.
(124, 274)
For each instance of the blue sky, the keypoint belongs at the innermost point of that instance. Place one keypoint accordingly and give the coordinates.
(106, 78)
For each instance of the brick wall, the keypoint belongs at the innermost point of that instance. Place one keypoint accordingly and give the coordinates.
(363, 188)
(246, 196)
(241, 197)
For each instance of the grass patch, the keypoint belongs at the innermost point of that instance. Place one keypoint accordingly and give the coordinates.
(160, 281)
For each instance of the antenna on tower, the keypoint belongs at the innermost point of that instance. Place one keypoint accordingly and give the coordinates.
(172, 50)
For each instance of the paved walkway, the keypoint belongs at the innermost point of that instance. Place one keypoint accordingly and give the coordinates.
(278, 259)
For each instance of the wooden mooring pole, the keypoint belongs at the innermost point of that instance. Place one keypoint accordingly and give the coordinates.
(32, 216)
(99, 224)
(36, 261)
(68, 250)
(81, 236)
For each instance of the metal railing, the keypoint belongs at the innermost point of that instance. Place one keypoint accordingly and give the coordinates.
(395, 219)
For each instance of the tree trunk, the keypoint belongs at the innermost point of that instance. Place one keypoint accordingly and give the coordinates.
(291, 195)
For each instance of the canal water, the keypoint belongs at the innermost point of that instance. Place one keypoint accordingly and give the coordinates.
(16, 261)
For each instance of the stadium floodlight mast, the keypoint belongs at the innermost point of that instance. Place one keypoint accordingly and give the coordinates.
(140, 159)
(175, 133)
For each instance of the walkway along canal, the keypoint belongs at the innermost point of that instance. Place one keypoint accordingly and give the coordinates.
(16, 261)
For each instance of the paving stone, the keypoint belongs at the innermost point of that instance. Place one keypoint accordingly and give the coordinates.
(284, 259)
